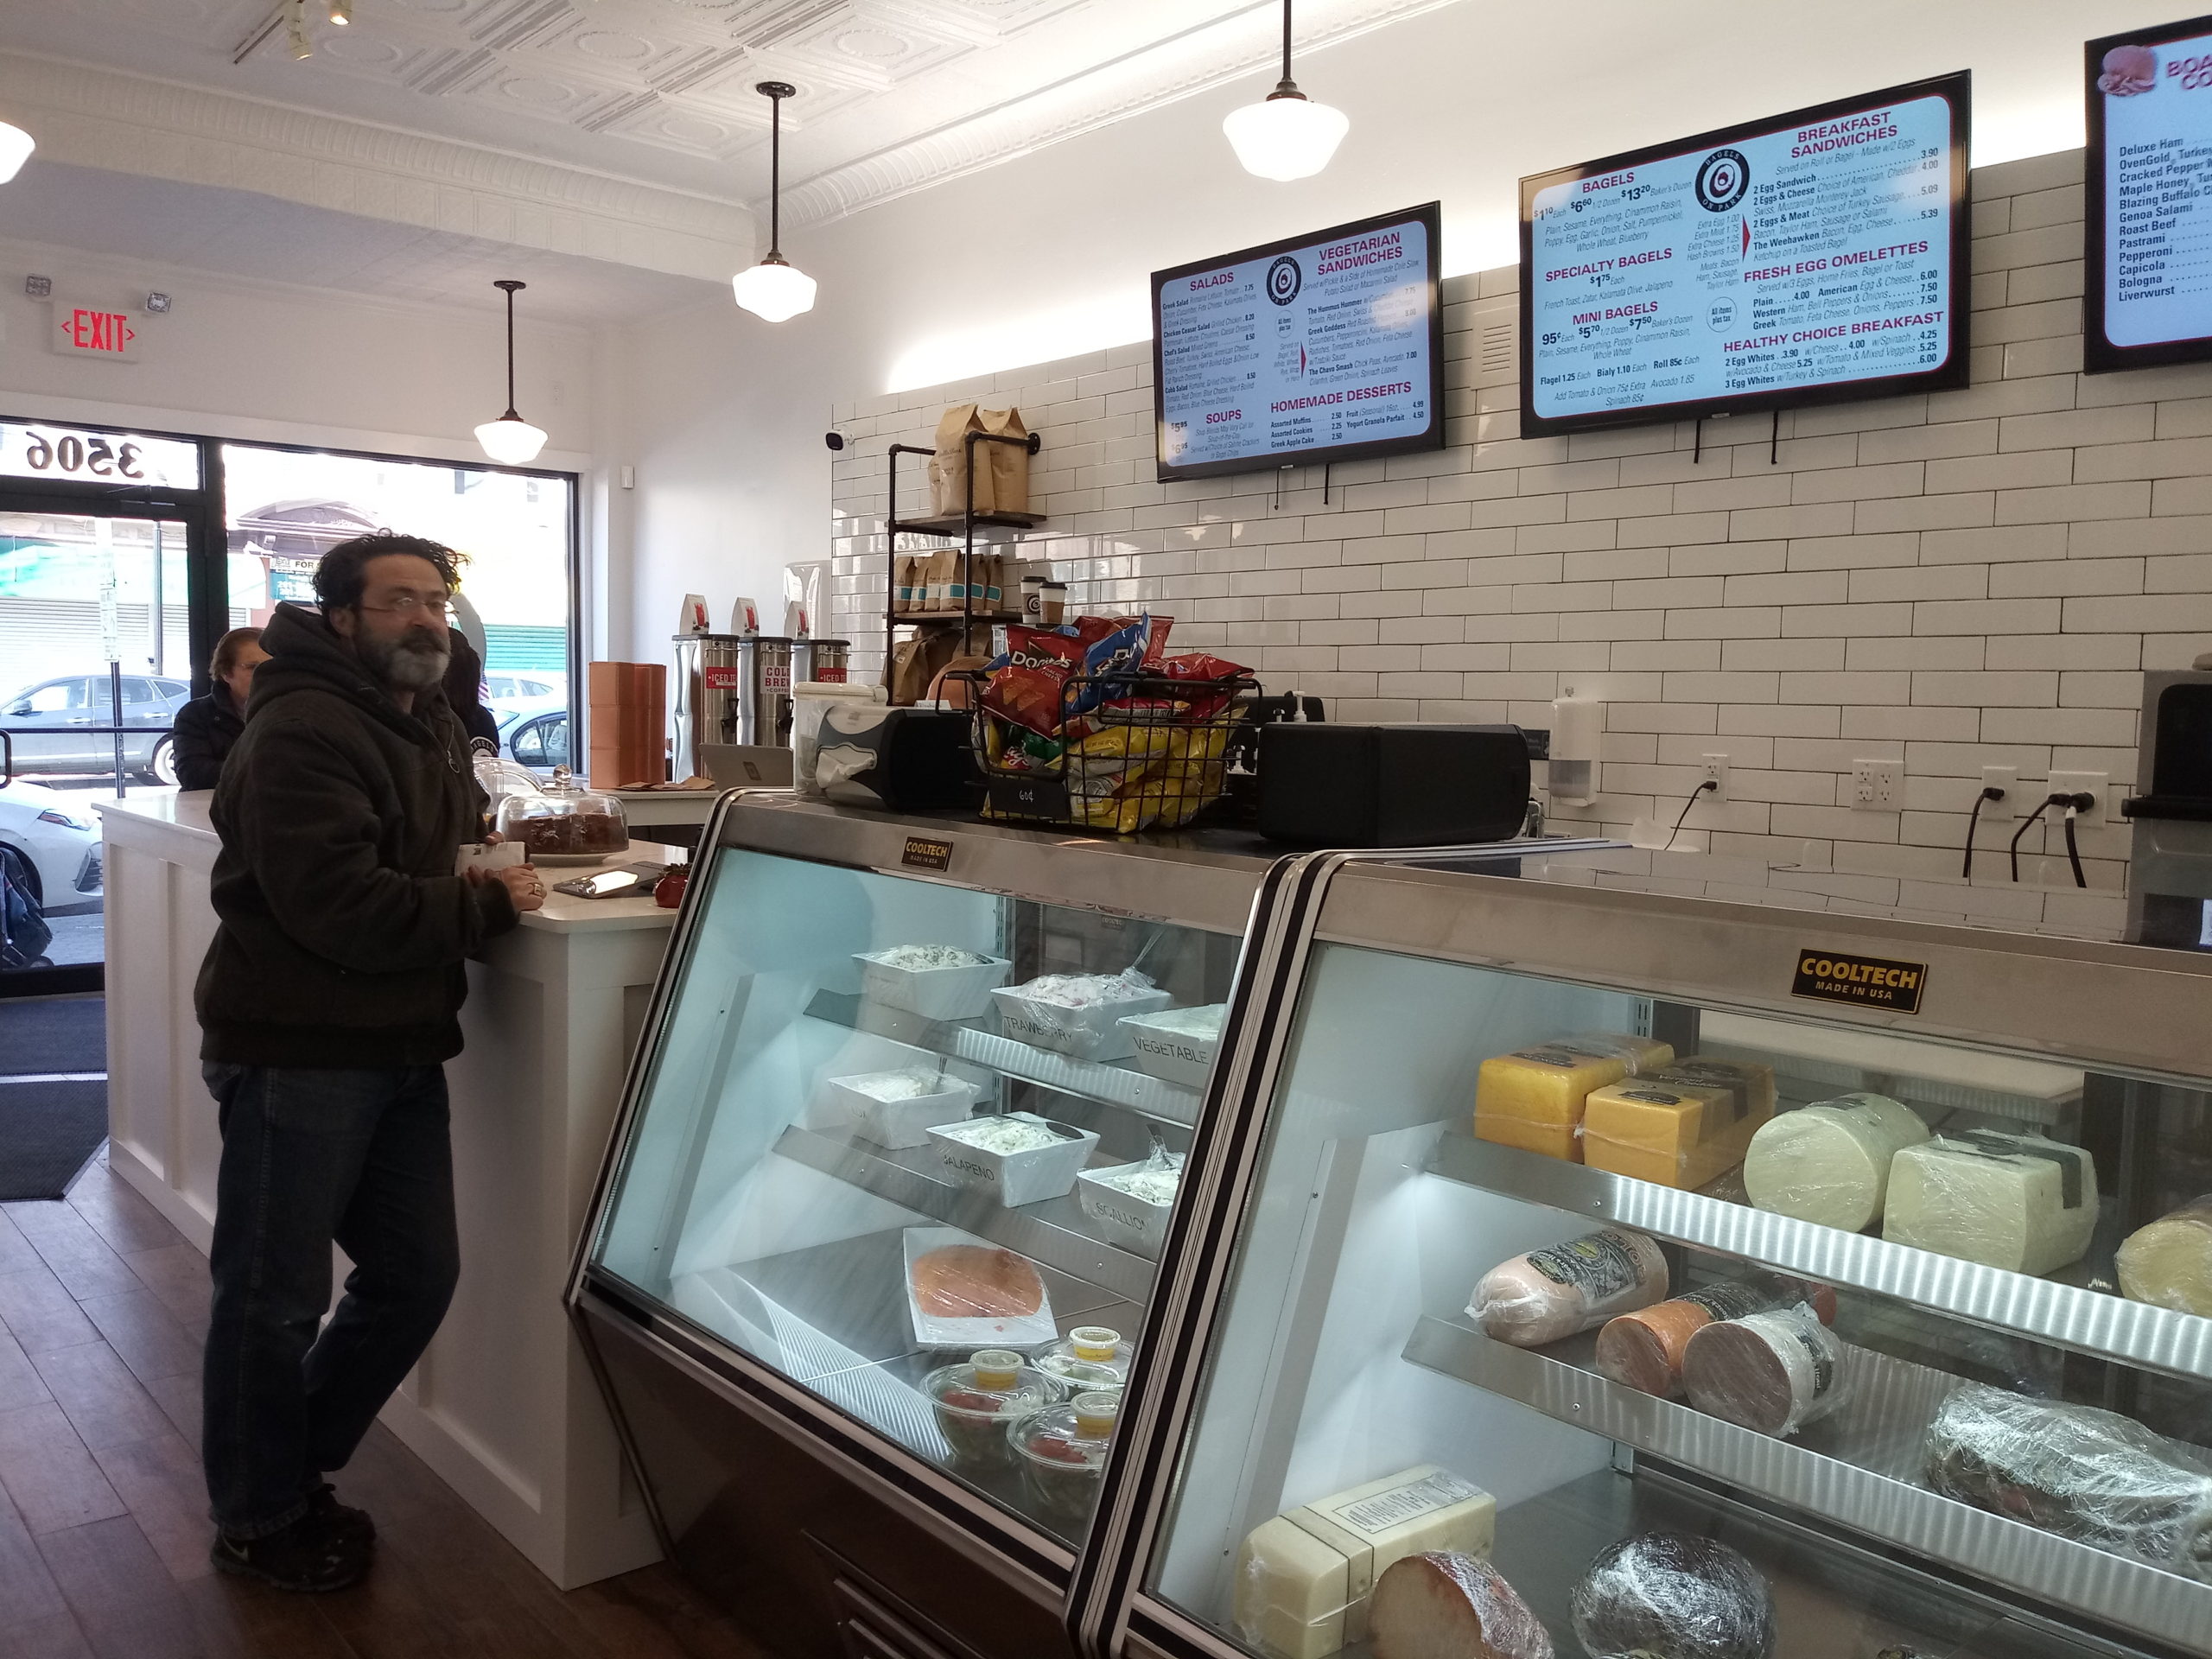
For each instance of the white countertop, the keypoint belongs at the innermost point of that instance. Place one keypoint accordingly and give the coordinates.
(186, 814)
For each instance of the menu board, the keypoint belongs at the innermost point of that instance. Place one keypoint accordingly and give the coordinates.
(1806, 258)
(2148, 275)
(1326, 348)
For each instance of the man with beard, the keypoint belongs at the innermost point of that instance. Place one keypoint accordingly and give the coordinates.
(328, 1003)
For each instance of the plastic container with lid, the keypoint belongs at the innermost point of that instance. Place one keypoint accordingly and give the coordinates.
(565, 823)
(1062, 1450)
(1089, 1359)
(978, 1402)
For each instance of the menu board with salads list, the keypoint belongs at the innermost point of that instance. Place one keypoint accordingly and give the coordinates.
(1324, 347)
(1804, 258)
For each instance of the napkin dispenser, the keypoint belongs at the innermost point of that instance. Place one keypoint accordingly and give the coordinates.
(1417, 786)
(896, 760)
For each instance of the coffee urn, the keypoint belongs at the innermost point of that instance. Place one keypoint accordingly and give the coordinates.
(764, 673)
(824, 661)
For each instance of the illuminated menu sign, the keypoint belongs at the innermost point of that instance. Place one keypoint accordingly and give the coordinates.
(1324, 349)
(2149, 243)
(1807, 258)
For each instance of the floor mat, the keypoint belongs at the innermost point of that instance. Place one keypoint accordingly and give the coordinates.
(48, 1131)
(41, 1035)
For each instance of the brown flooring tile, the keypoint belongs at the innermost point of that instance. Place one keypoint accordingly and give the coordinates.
(104, 1531)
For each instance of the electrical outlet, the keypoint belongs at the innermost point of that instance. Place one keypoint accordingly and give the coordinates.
(1877, 786)
(1716, 773)
(2008, 779)
(2087, 782)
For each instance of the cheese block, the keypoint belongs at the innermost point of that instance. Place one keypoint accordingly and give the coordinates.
(1641, 1053)
(2014, 1201)
(1830, 1162)
(1303, 1579)
(1772, 1372)
(1671, 1133)
(1555, 1292)
(1668, 1595)
(1753, 1081)
(2168, 1262)
(1440, 1604)
(1532, 1097)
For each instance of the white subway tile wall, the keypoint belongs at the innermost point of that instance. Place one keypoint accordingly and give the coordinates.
(1951, 581)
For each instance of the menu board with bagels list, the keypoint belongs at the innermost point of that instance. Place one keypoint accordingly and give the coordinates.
(1805, 259)
(2148, 275)
(1324, 347)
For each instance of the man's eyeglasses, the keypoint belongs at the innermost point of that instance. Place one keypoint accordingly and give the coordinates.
(414, 607)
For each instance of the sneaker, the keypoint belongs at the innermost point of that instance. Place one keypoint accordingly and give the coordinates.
(340, 1518)
(309, 1555)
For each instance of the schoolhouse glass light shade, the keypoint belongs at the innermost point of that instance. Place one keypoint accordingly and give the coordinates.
(775, 289)
(1286, 135)
(511, 439)
(15, 147)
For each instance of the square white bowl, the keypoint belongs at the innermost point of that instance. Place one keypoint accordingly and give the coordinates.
(933, 992)
(1091, 1033)
(1015, 1178)
(1174, 1057)
(1124, 1219)
(899, 1124)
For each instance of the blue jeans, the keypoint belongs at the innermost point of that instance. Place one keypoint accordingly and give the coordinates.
(358, 1158)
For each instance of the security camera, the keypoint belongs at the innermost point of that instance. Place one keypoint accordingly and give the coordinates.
(834, 440)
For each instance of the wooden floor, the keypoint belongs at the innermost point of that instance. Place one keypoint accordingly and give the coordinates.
(104, 1532)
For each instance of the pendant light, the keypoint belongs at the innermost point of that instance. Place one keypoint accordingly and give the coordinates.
(1286, 135)
(775, 289)
(15, 147)
(511, 439)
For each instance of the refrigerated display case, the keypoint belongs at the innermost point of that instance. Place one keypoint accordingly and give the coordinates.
(1927, 1398)
(897, 1163)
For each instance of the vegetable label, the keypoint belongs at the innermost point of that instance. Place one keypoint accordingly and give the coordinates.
(1810, 256)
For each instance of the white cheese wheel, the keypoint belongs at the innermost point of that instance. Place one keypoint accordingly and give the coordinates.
(1445, 1605)
(2014, 1201)
(1563, 1288)
(1830, 1162)
(2168, 1262)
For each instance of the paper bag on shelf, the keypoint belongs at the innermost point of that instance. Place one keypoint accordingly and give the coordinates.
(1002, 469)
(916, 662)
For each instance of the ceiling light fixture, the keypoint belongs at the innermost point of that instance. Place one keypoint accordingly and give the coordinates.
(511, 439)
(775, 289)
(1286, 135)
(341, 12)
(295, 29)
(15, 147)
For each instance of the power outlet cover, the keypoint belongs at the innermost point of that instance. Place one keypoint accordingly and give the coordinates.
(1877, 786)
(2073, 783)
(2008, 779)
(1715, 772)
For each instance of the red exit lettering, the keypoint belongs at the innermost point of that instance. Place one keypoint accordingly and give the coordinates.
(98, 331)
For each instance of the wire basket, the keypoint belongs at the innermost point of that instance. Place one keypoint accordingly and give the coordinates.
(1134, 752)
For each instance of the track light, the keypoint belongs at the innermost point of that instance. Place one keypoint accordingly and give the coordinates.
(341, 12)
(295, 29)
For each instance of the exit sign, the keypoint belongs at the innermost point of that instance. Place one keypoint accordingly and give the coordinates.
(98, 331)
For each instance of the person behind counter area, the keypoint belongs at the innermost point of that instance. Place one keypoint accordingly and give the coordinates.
(207, 727)
(328, 1003)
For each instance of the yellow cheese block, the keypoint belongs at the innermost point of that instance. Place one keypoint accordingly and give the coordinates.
(1303, 1579)
(1671, 1134)
(1533, 1098)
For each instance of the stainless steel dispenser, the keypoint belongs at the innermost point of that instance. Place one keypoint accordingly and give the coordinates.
(763, 670)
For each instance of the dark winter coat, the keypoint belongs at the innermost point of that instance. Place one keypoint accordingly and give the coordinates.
(204, 731)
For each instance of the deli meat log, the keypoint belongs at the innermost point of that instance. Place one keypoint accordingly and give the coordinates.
(1442, 1605)
(2092, 1475)
(975, 1281)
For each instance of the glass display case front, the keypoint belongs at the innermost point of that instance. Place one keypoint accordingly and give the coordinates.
(1623, 1276)
(913, 1146)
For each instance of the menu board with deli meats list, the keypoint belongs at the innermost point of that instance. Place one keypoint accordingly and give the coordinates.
(1324, 348)
(1806, 258)
(2149, 199)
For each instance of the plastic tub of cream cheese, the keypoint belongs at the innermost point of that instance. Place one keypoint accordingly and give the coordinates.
(1178, 1045)
(1018, 1158)
(938, 981)
(898, 1108)
(1131, 1203)
(1078, 1014)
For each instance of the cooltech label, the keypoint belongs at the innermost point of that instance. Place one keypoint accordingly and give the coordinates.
(1304, 349)
(2158, 181)
(1811, 254)
(1871, 981)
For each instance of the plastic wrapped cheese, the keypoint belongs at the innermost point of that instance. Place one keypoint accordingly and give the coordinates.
(1643, 1350)
(1555, 1292)
(2014, 1201)
(1669, 1596)
(1752, 1081)
(2092, 1475)
(1671, 1134)
(1533, 1098)
(1830, 1162)
(1772, 1372)
(1303, 1579)
(2168, 1262)
(1441, 1605)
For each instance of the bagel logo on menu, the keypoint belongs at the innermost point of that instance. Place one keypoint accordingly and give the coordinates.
(1722, 180)
(1284, 279)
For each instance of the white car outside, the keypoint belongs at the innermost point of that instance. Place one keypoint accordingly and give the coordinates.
(60, 836)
